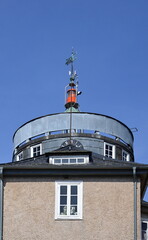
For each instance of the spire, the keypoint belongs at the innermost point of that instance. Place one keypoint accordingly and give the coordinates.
(71, 90)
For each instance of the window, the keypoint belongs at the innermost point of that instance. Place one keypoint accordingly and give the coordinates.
(20, 156)
(125, 156)
(69, 160)
(36, 150)
(109, 150)
(68, 203)
(144, 230)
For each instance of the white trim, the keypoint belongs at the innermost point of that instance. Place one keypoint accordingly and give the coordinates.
(35, 146)
(77, 159)
(79, 185)
(113, 149)
(128, 156)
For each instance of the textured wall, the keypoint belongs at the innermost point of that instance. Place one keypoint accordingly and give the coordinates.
(29, 208)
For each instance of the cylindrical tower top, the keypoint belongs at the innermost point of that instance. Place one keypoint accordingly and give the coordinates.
(97, 133)
(86, 122)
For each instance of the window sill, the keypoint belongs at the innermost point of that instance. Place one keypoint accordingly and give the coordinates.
(68, 219)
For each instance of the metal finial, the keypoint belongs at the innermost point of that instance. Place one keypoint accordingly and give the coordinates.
(70, 60)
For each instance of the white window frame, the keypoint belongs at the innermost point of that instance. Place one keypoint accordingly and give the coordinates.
(68, 215)
(68, 158)
(19, 156)
(113, 150)
(127, 157)
(35, 146)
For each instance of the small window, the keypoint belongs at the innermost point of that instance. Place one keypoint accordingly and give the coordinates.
(36, 150)
(80, 160)
(73, 160)
(144, 230)
(69, 160)
(57, 161)
(68, 203)
(125, 156)
(109, 150)
(64, 160)
(20, 156)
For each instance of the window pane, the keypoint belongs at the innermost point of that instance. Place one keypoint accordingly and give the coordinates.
(110, 148)
(63, 200)
(64, 160)
(110, 154)
(36, 154)
(73, 200)
(73, 190)
(80, 160)
(106, 151)
(57, 160)
(72, 160)
(63, 190)
(63, 210)
(73, 210)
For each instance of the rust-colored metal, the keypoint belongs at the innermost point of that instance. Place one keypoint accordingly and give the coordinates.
(71, 96)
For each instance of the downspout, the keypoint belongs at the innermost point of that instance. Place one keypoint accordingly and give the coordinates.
(135, 203)
(1, 203)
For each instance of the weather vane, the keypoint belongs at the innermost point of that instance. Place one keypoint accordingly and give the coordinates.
(70, 60)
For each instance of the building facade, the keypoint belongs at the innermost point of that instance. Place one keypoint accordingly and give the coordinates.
(73, 176)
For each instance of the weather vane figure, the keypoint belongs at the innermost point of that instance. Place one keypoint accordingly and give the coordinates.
(70, 60)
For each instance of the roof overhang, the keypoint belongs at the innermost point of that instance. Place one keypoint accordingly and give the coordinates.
(76, 170)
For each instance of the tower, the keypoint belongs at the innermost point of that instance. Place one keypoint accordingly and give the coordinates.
(73, 176)
(100, 134)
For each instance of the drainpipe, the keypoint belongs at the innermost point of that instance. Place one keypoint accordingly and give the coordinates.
(1, 203)
(135, 203)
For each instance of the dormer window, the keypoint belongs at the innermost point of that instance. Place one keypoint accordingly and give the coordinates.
(109, 150)
(36, 150)
(20, 156)
(125, 156)
(59, 160)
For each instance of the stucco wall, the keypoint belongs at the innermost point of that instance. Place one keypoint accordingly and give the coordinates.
(29, 210)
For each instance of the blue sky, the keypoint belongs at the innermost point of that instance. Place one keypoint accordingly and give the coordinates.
(111, 40)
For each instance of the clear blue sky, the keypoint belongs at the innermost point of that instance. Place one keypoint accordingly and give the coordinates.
(111, 39)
